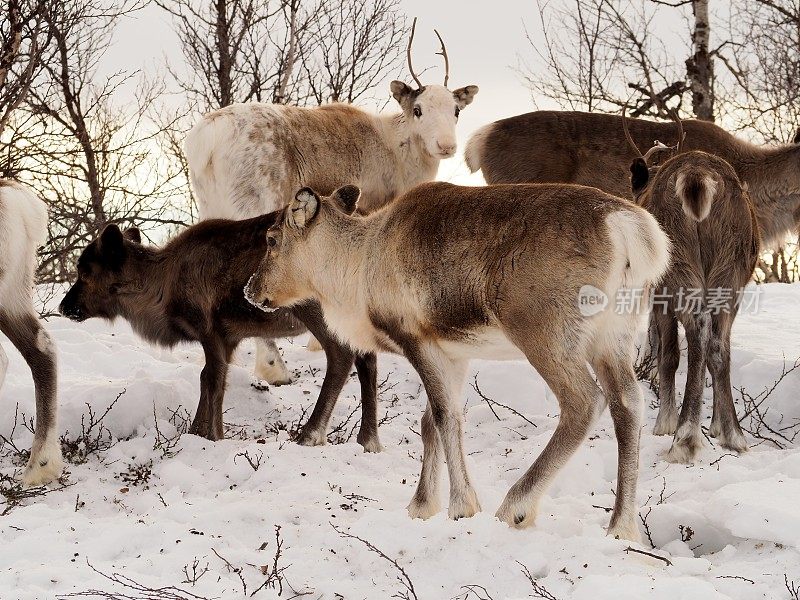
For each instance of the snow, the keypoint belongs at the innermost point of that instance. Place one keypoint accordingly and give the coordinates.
(729, 526)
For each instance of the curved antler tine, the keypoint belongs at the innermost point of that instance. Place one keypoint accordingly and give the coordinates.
(681, 132)
(446, 60)
(628, 133)
(408, 53)
(657, 147)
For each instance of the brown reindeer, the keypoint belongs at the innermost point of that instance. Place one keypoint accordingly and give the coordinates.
(700, 203)
(590, 149)
(191, 291)
(481, 279)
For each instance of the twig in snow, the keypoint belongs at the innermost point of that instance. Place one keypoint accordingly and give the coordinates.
(792, 588)
(253, 461)
(538, 589)
(492, 403)
(274, 575)
(408, 593)
(194, 572)
(736, 577)
(133, 590)
(650, 554)
(477, 591)
(780, 435)
(232, 569)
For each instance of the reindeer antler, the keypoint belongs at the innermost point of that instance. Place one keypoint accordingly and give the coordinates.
(408, 53)
(627, 131)
(657, 146)
(681, 133)
(446, 60)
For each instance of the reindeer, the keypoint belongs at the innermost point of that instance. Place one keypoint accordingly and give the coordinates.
(23, 227)
(590, 149)
(191, 291)
(482, 279)
(700, 203)
(247, 159)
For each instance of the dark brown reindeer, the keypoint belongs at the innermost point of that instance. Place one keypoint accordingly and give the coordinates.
(191, 291)
(590, 149)
(700, 203)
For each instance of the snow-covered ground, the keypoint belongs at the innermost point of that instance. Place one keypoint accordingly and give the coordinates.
(730, 526)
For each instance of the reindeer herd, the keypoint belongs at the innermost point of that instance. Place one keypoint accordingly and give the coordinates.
(326, 220)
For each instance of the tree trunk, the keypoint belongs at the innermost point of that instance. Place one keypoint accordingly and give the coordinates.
(700, 67)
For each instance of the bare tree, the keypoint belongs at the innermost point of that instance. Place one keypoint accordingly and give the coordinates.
(700, 66)
(23, 41)
(595, 52)
(238, 50)
(86, 152)
(352, 46)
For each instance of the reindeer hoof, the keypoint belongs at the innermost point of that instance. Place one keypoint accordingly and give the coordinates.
(42, 472)
(423, 509)
(464, 507)
(734, 441)
(311, 437)
(370, 443)
(666, 423)
(627, 529)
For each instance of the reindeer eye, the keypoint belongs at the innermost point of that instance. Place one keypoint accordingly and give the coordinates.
(417, 111)
(271, 241)
(113, 289)
(458, 112)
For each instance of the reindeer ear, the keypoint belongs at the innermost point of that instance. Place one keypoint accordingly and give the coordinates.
(133, 234)
(112, 247)
(400, 90)
(347, 198)
(465, 95)
(302, 209)
(640, 175)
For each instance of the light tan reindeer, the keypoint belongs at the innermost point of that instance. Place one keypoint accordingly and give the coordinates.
(448, 273)
(700, 203)
(247, 159)
(23, 227)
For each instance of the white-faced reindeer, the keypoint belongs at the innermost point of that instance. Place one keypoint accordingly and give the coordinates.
(482, 278)
(700, 203)
(248, 159)
(23, 228)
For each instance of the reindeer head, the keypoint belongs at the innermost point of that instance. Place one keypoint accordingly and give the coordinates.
(103, 275)
(432, 111)
(298, 243)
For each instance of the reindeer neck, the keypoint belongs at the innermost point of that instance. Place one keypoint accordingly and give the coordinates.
(415, 164)
(143, 301)
(773, 179)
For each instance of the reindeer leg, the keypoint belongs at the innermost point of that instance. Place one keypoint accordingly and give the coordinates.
(724, 422)
(688, 438)
(425, 502)
(208, 419)
(367, 367)
(269, 363)
(339, 361)
(669, 356)
(34, 343)
(626, 403)
(443, 379)
(581, 402)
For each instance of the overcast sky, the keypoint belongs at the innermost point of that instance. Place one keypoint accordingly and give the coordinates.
(484, 45)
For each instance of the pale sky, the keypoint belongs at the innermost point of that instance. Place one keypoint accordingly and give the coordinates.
(483, 44)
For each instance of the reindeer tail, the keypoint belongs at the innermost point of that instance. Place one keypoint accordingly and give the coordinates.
(696, 189)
